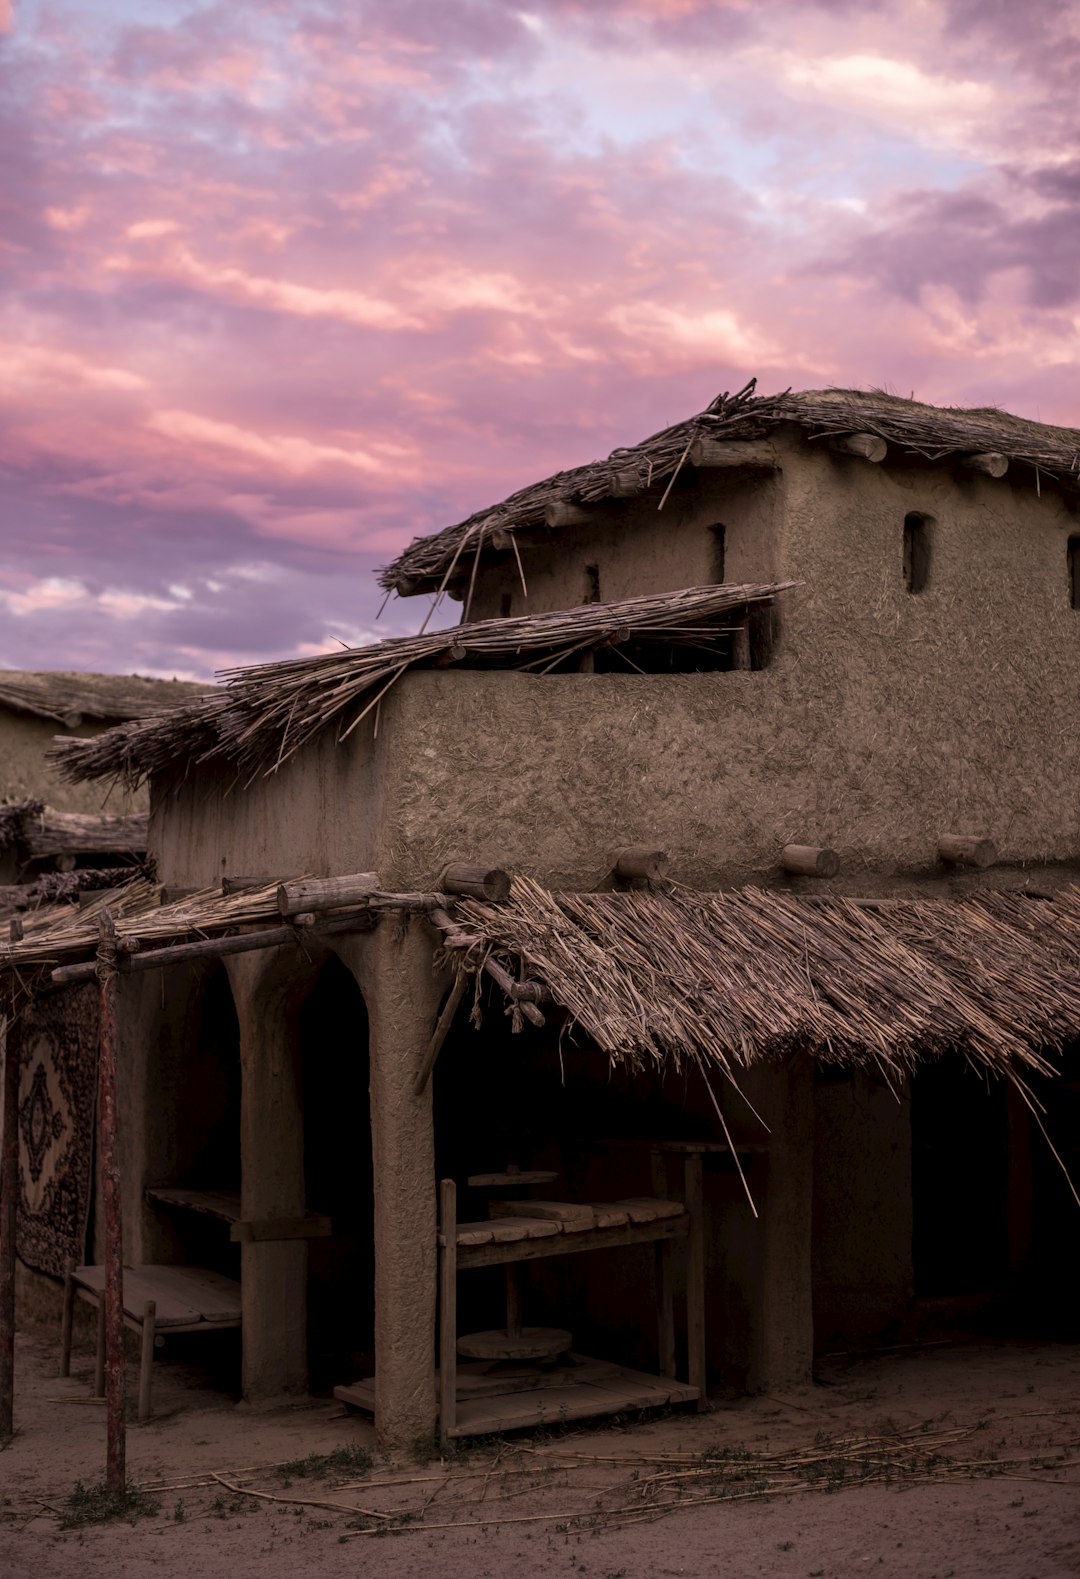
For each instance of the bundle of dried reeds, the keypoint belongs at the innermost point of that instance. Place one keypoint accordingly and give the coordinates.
(723, 980)
(266, 714)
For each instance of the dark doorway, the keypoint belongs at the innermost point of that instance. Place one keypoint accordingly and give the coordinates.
(333, 1040)
(960, 1154)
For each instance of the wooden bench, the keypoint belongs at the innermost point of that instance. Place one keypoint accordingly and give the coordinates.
(156, 1299)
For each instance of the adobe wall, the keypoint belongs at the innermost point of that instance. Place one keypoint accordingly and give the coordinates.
(884, 719)
(633, 547)
(25, 775)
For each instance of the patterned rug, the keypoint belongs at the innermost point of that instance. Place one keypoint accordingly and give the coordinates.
(59, 1041)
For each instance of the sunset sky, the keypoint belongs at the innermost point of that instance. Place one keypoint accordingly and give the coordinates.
(284, 284)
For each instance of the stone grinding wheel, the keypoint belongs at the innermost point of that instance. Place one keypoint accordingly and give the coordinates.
(531, 1343)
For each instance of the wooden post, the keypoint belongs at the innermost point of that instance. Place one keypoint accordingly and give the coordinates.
(960, 849)
(562, 512)
(477, 882)
(447, 1308)
(740, 644)
(731, 454)
(514, 1299)
(639, 861)
(9, 1195)
(146, 1360)
(991, 463)
(438, 1036)
(868, 446)
(810, 860)
(113, 1298)
(323, 893)
(665, 1290)
(695, 1277)
(68, 1316)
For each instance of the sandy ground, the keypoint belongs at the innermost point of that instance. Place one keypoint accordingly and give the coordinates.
(980, 1444)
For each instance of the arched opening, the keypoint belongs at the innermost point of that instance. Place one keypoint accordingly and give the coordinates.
(334, 1074)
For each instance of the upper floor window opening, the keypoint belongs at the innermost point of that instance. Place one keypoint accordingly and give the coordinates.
(1074, 572)
(917, 551)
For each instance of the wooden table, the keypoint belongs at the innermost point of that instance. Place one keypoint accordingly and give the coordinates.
(173, 1298)
(560, 1228)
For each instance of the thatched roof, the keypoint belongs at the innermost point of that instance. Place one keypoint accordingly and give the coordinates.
(262, 715)
(717, 980)
(912, 428)
(723, 980)
(37, 830)
(70, 698)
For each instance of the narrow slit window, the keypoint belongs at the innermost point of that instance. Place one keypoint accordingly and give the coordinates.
(916, 552)
(1074, 572)
(506, 603)
(719, 554)
(592, 584)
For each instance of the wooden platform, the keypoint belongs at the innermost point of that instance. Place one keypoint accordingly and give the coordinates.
(513, 1398)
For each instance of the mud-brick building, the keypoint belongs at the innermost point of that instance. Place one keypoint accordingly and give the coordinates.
(770, 717)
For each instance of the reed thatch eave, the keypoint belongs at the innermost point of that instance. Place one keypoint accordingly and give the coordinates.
(910, 427)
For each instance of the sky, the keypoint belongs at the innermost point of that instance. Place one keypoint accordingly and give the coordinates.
(286, 283)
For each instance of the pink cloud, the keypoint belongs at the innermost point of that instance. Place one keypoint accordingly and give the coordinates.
(289, 287)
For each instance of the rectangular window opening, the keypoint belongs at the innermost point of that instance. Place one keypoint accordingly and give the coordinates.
(916, 552)
(592, 584)
(719, 550)
(1074, 572)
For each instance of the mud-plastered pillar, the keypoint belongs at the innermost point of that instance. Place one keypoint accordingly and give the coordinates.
(782, 1343)
(402, 992)
(273, 1273)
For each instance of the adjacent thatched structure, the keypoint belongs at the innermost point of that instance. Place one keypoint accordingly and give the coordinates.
(263, 715)
(70, 699)
(933, 432)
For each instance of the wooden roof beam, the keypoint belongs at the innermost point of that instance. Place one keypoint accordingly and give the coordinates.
(867, 446)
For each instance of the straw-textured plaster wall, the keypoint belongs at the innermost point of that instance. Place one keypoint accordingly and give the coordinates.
(884, 719)
(25, 775)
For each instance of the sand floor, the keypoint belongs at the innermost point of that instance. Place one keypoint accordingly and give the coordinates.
(959, 1459)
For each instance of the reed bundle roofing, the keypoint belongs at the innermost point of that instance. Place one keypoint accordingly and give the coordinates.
(727, 979)
(718, 980)
(263, 715)
(69, 698)
(932, 432)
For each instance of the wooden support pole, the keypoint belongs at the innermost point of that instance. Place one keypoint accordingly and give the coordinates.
(323, 893)
(67, 1319)
(9, 1194)
(108, 1151)
(447, 1308)
(439, 1035)
(477, 882)
(625, 482)
(526, 995)
(810, 860)
(740, 644)
(695, 1277)
(868, 446)
(146, 1359)
(991, 463)
(639, 861)
(561, 512)
(961, 849)
(452, 653)
(731, 455)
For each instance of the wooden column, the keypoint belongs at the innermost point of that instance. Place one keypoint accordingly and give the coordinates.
(695, 1278)
(108, 1152)
(9, 1194)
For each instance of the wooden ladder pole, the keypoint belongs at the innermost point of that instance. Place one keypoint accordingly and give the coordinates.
(113, 1296)
(447, 1309)
(695, 1277)
(146, 1361)
(68, 1317)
